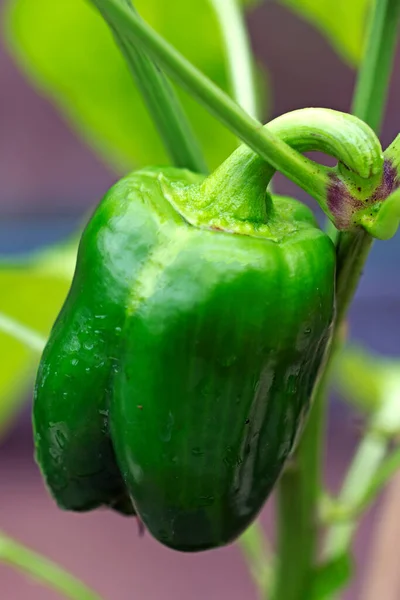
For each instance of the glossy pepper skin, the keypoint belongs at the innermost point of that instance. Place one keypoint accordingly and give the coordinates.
(180, 370)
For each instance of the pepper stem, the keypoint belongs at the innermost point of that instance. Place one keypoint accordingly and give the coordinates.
(238, 187)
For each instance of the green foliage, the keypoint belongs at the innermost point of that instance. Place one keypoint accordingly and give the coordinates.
(68, 51)
(341, 21)
(363, 378)
(250, 3)
(36, 289)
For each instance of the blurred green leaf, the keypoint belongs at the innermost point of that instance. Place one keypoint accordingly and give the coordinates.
(363, 378)
(330, 577)
(68, 51)
(341, 21)
(35, 290)
(250, 3)
(389, 467)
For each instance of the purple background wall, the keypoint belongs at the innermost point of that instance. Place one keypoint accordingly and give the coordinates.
(48, 178)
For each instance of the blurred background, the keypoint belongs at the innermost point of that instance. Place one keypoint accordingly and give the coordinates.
(51, 176)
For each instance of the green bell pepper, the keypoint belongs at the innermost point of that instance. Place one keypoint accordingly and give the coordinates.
(179, 374)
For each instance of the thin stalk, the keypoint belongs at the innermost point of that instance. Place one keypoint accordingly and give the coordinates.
(352, 251)
(44, 570)
(368, 458)
(31, 338)
(374, 76)
(365, 468)
(382, 579)
(258, 556)
(306, 173)
(161, 100)
(338, 512)
(388, 468)
(238, 53)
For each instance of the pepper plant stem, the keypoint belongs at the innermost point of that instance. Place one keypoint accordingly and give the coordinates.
(366, 465)
(374, 77)
(352, 252)
(368, 458)
(43, 570)
(297, 491)
(307, 174)
(353, 248)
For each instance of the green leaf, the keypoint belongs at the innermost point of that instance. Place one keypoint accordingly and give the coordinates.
(36, 289)
(330, 577)
(68, 51)
(341, 21)
(363, 378)
(250, 3)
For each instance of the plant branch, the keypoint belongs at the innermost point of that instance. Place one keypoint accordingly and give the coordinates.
(368, 469)
(238, 53)
(161, 100)
(368, 458)
(337, 512)
(43, 570)
(374, 77)
(259, 557)
(352, 251)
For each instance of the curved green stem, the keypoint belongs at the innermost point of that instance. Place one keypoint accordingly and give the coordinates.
(238, 53)
(161, 100)
(44, 570)
(337, 134)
